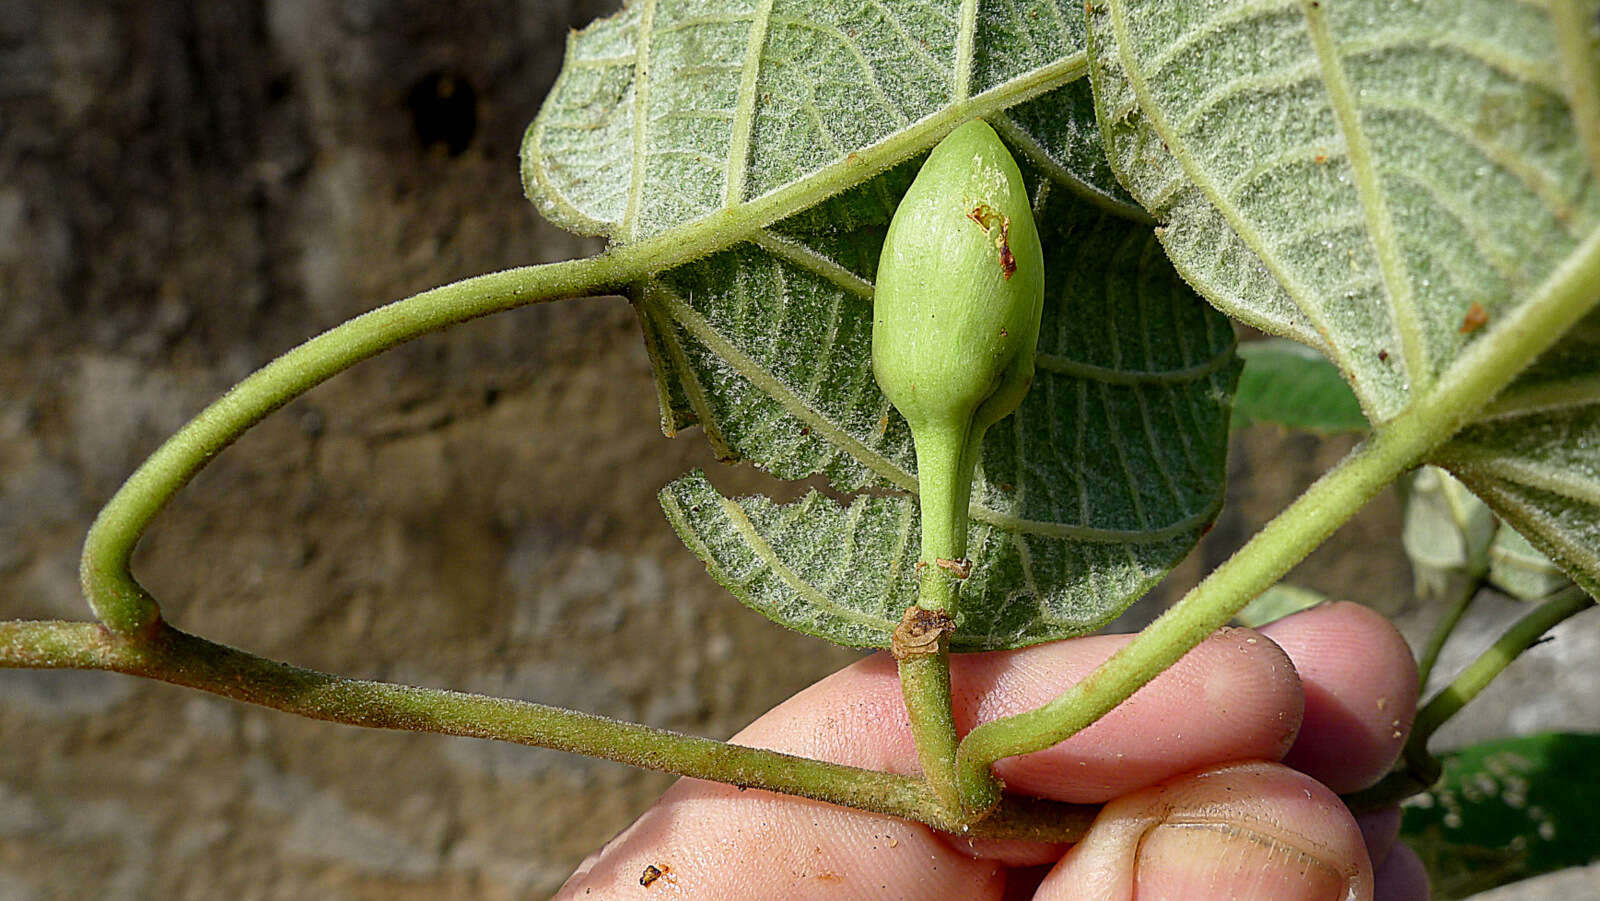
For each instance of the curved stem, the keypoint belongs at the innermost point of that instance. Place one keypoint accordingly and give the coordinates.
(1477, 676)
(1279, 545)
(166, 654)
(116, 597)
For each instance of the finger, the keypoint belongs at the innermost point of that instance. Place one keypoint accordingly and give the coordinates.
(709, 841)
(1379, 831)
(1402, 877)
(1247, 832)
(714, 841)
(1360, 684)
(1234, 696)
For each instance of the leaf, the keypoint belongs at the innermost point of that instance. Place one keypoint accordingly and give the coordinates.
(1277, 602)
(1086, 496)
(1291, 385)
(1405, 187)
(1534, 457)
(703, 122)
(1508, 810)
(1518, 569)
(746, 158)
(1446, 532)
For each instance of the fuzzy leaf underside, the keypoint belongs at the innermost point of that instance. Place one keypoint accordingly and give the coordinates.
(674, 112)
(1099, 484)
(768, 142)
(1389, 183)
(1535, 455)
(1291, 385)
(1508, 810)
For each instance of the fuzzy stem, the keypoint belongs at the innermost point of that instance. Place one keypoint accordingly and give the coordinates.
(168, 655)
(925, 685)
(945, 463)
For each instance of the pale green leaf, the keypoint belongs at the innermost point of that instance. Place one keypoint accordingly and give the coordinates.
(1101, 481)
(1445, 530)
(1277, 602)
(1403, 186)
(1517, 568)
(1535, 456)
(1291, 385)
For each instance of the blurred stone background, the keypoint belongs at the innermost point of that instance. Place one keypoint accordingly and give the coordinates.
(187, 190)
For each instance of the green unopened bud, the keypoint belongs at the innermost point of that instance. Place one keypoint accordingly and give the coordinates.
(956, 319)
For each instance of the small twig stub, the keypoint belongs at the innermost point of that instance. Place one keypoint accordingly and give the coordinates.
(919, 632)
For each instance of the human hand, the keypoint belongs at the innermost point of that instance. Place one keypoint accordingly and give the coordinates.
(1219, 781)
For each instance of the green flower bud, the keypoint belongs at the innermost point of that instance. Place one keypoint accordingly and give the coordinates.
(956, 319)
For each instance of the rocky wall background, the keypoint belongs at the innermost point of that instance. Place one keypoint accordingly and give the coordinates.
(187, 190)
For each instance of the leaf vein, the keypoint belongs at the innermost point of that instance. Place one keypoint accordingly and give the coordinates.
(1405, 317)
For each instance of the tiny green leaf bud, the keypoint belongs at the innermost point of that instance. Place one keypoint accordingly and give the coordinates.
(955, 321)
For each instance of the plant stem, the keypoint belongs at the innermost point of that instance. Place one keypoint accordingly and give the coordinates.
(925, 686)
(1472, 680)
(1471, 381)
(1466, 585)
(117, 599)
(166, 654)
(1399, 785)
(1279, 545)
(945, 463)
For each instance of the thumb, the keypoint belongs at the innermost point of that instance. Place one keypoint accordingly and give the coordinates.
(1245, 832)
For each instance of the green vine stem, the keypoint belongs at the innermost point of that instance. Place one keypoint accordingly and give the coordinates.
(1466, 585)
(1472, 380)
(925, 686)
(166, 654)
(1551, 612)
(115, 596)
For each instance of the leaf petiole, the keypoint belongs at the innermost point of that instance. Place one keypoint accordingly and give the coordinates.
(1283, 542)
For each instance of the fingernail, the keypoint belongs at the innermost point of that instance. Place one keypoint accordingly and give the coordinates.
(1184, 861)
